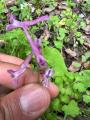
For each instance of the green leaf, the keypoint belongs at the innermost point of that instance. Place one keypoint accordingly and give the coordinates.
(58, 44)
(14, 8)
(81, 41)
(63, 90)
(71, 109)
(68, 91)
(51, 116)
(82, 24)
(69, 22)
(77, 95)
(78, 34)
(45, 43)
(56, 104)
(62, 33)
(54, 20)
(17, 44)
(70, 76)
(79, 86)
(58, 80)
(2, 7)
(55, 60)
(86, 98)
(21, 1)
(64, 98)
(84, 77)
(87, 54)
(83, 58)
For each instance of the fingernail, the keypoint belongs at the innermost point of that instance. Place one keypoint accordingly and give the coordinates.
(34, 99)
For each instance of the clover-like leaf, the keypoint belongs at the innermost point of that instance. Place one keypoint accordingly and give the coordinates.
(71, 109)
(86, 98)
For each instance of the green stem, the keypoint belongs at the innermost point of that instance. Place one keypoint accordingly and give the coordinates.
(65, 117)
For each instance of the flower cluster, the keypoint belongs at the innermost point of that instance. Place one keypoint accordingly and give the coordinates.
(35, 46)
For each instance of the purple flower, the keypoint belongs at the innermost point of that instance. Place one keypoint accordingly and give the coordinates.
(16, 24)
(46, 76)
(16, 74)
(35, 46)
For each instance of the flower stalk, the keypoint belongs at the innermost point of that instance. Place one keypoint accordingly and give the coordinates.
(35, 46)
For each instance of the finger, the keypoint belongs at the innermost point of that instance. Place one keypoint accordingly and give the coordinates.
(53, 89)
(26, 103)
(10, 59)
(29, 76)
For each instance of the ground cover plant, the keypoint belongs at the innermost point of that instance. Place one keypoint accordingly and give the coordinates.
(61, 43)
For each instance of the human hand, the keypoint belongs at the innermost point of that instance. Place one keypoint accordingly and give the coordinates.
(29, 99)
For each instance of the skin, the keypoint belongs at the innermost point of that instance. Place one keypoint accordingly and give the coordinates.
(26, 101)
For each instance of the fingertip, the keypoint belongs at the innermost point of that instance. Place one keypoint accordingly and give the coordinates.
(26, 103)
(53, 89)
(34, 100)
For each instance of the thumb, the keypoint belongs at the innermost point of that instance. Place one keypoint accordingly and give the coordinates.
(26, 103)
